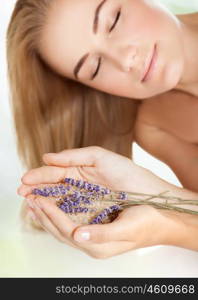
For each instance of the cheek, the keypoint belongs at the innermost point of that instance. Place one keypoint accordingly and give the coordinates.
(118, 84)
(145, 22)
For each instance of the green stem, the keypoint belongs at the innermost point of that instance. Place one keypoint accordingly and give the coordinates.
(164, 197)
(169, 207)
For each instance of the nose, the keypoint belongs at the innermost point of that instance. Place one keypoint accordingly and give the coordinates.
(127, 58)
(124, 57)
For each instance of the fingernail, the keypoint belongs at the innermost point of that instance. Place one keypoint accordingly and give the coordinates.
(82, 236)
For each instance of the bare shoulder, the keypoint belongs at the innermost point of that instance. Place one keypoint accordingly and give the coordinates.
(150, 138)
(149, 130)
(191, 18)
(150, 110)
(149, 115)
(179, 155)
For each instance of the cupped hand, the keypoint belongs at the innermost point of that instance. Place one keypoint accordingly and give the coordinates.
(94, 164)
(135, 227)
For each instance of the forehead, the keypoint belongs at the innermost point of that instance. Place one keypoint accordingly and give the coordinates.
(63, 38)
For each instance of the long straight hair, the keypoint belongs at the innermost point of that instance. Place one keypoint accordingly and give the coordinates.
(52, 113)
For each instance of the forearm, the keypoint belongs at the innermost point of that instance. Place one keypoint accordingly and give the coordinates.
(181, 229)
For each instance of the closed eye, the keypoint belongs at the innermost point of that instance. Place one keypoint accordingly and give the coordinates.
(96, 72)
(112, 27)
(116, 20)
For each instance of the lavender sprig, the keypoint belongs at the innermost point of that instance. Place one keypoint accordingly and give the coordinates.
(106, 212)
(72, 193)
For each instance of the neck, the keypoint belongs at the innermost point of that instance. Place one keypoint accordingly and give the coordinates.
(189, 78)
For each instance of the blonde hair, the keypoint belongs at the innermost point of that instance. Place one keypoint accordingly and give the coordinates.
(52, 113)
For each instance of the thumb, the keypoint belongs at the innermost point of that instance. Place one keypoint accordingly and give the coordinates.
(101, 233)
(86, 156)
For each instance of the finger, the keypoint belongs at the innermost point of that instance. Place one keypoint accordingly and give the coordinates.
(24, 189)
(30, 215)
(86, 156)
(109, 249)
(60, 220)
(44, 174)
(38, 215)
(102, 233)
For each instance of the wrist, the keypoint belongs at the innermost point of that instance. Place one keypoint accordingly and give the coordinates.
(164, 228)
(179, 229)
(170, 227)
(142, 180)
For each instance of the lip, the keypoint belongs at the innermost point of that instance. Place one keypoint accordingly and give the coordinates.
(150, 66)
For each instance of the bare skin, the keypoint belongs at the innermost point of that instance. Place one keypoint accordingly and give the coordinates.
(135, 227)
(124, 51)
(127, 32)
(175, 113)
(179, 107)
(173, 87)
(166, 124)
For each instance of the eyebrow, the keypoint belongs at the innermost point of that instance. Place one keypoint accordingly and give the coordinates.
(95, 31)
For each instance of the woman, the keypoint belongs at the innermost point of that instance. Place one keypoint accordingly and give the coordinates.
(120, 62)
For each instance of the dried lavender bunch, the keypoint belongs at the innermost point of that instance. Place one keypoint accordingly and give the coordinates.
(77, 197)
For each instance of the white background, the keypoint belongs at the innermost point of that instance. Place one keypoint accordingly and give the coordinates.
(24, 254)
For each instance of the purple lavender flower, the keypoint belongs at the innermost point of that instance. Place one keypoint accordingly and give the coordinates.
(69, 209)
(76, 194)
(96, 188)
(45, 192)
(78, 183)
(48, 191)
(35, 191)
(72, 181)
(83, 209)
(114, 207)
(62, 190)
(84, 193)
(86, 200)
(98, 219)
(122, 196)
(87, 186)
(67, 180)
(90, 187)
(68, 201)
(51, 191)
(39, 192)
(105, 191)
(76, 202)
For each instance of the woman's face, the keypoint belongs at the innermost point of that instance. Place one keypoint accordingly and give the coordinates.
(117, 45)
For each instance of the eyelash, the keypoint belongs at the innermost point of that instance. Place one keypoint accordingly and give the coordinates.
(116, 20)
(112, 27)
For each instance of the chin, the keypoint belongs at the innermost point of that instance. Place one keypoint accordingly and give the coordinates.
(174, 75)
